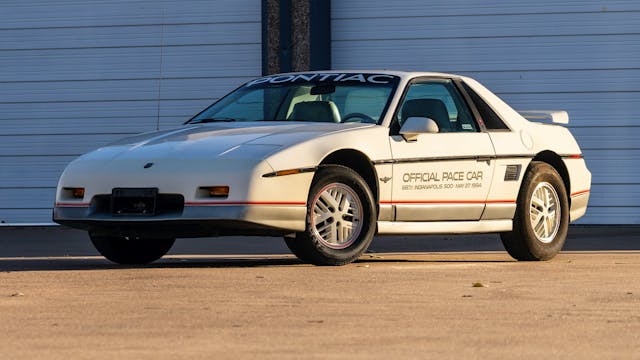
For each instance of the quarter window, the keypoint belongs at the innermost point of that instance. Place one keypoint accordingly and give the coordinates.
(491, 120)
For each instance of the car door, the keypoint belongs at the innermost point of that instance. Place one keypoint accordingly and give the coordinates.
(444, 175)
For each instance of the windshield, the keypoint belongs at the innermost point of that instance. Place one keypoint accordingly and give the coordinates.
(331, 97)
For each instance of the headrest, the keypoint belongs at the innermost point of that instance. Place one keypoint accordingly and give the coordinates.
(321, 111)
(431, 108)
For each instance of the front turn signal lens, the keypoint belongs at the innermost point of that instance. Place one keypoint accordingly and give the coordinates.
(216, 191)
(288, 172)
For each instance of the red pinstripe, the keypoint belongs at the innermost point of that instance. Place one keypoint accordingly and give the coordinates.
(389, 202)
(212, 203)
(580, 192)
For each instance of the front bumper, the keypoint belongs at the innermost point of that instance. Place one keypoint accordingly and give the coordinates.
(194, 220)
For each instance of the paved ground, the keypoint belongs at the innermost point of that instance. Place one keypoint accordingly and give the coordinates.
(412, 297)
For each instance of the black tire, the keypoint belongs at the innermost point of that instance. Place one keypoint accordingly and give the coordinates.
(312, 247)
(298, 249)
(131, 251)
(523, 243)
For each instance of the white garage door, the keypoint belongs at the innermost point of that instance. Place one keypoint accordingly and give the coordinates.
(75, 75)
(580, 56)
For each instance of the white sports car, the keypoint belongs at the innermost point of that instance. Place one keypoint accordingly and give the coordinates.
(329, 159)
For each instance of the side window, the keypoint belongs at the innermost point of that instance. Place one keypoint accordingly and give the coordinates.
(440, 101)
(491, 120)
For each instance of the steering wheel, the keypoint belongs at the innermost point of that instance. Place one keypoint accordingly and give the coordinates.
(365, 117)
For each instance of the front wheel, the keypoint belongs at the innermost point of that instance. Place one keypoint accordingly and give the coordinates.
(341, 218)
(132, 251)
(542, 216)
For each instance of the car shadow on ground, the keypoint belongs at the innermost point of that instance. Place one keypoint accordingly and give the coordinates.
(53, 249)
(79, 263)
(8, 265)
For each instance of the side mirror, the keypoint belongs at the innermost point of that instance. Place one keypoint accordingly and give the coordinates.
(415, 126)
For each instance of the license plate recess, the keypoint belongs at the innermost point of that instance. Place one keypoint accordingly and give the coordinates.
(134, 201)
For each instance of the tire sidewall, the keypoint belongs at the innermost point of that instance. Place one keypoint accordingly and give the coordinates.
(131, 252)
(543, 251)
(342, 175)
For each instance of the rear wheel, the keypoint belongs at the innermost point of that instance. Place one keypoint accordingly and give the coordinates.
(341, 218)
(542, 216)
(123, 250)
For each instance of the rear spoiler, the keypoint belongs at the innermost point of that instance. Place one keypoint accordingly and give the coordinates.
(554, 116)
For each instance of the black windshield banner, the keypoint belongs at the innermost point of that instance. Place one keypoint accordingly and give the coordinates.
(329, 77)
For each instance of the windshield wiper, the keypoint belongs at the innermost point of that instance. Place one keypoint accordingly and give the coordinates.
(210, 120)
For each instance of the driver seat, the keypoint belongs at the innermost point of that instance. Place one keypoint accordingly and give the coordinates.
(321, 111)
(434, 109)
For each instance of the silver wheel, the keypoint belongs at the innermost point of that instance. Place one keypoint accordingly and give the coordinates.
(337, 216)
(542, 216)
(340, 221)
(544, 212)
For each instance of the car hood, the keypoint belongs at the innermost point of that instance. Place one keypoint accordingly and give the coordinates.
(249, 139)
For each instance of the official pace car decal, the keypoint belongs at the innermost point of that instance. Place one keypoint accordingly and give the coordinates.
(433, 180)
(330, 77)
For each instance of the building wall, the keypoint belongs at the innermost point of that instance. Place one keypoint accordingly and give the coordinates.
(580, 56)
(75, 75)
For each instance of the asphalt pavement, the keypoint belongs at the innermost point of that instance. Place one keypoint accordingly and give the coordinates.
(416, 297)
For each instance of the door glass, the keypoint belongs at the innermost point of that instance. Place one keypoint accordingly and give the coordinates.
(440, 101)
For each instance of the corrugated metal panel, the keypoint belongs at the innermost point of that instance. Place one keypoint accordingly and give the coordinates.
(35, 171)
(580, 56)
(26, 216)
(614, 167)
(138, 35)
(79, 74)
(50, 145)
(95, 13)
(612, 215)
(128, 63)
(405, 9)
(29, 198)
(502, 26)
(605, 109)
(104, 105)
(564, 81)
(491, 54)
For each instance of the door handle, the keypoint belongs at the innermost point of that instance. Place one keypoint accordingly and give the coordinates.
(486, 159)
